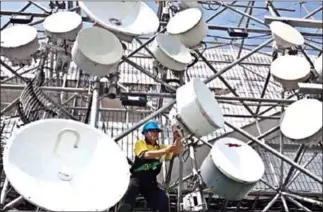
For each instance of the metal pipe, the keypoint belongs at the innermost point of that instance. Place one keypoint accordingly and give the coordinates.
(297, 204)
(313, 12)
(291, 169)
(251, 3)
(281, 149)
(8, 107)
(45, 88)
(94, 106)
(151, 116)
(141, 47)
(21, 10)
(218, 13)
(223, 81)
(39, 6)
(305, 199)
(271, 203)
(276, 153)
(148, 73)
(11, 70)
(298, 172)
(256, 30)
(13, 203)
(4, 191)
(218, 97)
(254, 7)
(272, 9)
(77, 85)
(241, 13)
(284, 203)
(238, 61)
(313, 46)
(263, 92)
(21, 74)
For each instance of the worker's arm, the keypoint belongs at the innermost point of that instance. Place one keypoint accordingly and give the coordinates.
(169, 155)
(156, 153)
(142, 151)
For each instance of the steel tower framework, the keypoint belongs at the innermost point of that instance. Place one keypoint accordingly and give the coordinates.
(75, 95)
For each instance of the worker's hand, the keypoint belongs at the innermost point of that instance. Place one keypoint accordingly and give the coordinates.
(177, 135)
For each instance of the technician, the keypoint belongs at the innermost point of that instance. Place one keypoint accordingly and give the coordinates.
(149, 156)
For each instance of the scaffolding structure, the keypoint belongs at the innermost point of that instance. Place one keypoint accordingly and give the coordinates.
(235, 69)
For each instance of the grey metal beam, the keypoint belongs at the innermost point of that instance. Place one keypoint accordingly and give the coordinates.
(309, 15)
(11, 70)
(141, 122)
(251, 3)
(10, 106)
(95, 105)
(21, 10)
(218, 13)
(218, 97)
(310, 88)
(39, 6)
(223, 81)
(313, 46)
(10, 13)
(274, 12)
(238, 61)
(239, 12)
(257, 30)
(296, 22)
(135, 65)
(254, 7)
(45, 88)
(252, 30)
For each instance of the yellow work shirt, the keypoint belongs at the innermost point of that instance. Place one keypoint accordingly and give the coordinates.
(141, 146)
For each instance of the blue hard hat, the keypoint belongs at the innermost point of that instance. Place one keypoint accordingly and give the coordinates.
(151, 125)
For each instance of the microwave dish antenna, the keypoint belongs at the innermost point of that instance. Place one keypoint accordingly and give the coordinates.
(197, 112)
(289, 70)
(285, 36)
(19, 44)
(124, 18)
(232, 169)
(97, 51)
(188, 26)
(64, 165)
(302, 121)
(63, 25)
(171, 53)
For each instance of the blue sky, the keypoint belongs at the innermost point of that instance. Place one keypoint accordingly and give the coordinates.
(228, 18)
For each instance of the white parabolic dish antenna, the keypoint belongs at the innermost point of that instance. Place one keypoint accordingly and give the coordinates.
(63, 165)
(64, 25)
(19, 41)
(303, 120)
(232, 168)
(290, 70)
(131, 18)
(198, 108)
(189, 26)
(170, 52)
(96, 51)
(285, 35)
